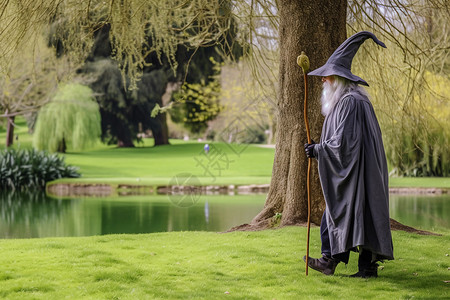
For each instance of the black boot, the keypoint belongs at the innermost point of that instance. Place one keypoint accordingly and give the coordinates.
(366, 268)
(368, 272)
(325, 264)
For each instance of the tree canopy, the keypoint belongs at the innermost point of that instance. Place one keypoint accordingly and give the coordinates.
(126, 102)
(168, 23)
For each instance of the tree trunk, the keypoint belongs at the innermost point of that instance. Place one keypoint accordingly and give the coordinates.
(124, 138)
(317, 27)
(62, 147)
(161, 135)
(9, 131)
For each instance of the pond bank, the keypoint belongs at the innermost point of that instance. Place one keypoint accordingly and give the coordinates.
(87, 189)
(104, 190)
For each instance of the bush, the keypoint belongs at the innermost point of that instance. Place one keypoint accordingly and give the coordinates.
(196, 105)
(253, 135)
(22, 169)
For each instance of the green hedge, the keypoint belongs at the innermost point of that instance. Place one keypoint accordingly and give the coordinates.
(24, 169)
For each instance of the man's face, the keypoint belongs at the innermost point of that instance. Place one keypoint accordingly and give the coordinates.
(329, 79)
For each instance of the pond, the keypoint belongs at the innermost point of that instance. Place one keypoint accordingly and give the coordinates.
(36, 215)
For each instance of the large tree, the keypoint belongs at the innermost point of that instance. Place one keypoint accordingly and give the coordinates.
(126, 103)
(317, 27)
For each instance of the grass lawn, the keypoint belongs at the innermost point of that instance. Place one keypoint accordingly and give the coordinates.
(423, 182)
(202, 265)
(157, 165)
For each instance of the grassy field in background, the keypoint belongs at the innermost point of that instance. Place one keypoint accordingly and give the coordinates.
(158, 165)
(204, 265)
(227, 164)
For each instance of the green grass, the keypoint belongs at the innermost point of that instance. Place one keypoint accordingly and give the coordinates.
(201, 265)
(159, 164)
(422, 182)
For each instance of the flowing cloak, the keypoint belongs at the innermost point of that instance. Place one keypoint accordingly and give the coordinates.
(354, 178)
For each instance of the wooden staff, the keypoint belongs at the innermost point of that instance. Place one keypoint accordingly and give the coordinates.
(303, 62)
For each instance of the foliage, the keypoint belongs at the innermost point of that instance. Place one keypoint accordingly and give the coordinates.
(411, 96)
(124, 113)
(125, 104)
(136, 36)
(199, 104)
(206, 265)
(30, 169)
(421, 147)
(71, 117)
(416, 29)
(169, 23)
(28, 83)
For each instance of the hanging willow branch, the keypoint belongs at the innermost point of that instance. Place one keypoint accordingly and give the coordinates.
(138, 27)
(408, 79)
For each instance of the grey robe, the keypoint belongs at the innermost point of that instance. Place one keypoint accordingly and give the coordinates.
(354, 177)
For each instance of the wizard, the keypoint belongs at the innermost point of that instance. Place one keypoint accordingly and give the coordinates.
(352, 168)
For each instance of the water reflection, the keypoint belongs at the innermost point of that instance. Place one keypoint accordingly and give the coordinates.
(36, 215)
(26, 215)
(421, 211)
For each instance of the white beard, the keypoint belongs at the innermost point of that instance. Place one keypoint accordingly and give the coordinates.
(329, 98)
(332, 93)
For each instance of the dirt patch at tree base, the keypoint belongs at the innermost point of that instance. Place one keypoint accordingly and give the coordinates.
(267, 224)
(395, 225)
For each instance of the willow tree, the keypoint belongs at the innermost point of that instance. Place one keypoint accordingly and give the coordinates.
(71, 118)
(411, 93)
(139, 28)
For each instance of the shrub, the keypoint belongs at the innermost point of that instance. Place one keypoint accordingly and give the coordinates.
(22, 169)
(196, 105)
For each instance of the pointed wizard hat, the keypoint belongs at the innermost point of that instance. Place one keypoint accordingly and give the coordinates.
(340, 62)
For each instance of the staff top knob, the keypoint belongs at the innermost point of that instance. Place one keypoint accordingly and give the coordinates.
(303, 62)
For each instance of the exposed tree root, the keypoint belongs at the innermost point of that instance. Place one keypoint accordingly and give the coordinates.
(399, 226)
(268, 224)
